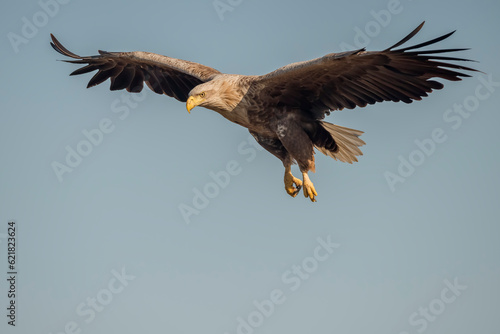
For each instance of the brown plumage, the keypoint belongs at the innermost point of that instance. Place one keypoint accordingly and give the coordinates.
(284, 109)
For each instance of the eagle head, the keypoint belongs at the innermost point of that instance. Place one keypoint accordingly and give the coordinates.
(217, 95)
(201, 95)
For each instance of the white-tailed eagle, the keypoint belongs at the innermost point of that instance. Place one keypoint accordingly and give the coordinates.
(284, 109)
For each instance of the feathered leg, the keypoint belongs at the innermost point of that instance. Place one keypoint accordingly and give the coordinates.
(276, 148)
(298, 144)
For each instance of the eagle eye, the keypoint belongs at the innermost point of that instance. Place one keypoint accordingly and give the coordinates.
(202, 94)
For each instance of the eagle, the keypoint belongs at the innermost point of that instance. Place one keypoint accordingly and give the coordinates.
(284, 110)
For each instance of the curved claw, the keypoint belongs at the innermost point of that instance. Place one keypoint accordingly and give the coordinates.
(309, 191)
(292, 184)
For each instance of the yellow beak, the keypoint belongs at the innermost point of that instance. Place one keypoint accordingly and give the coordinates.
(192, 102)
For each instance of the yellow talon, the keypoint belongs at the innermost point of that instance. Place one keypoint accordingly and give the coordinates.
(308, 188)
(292, 184)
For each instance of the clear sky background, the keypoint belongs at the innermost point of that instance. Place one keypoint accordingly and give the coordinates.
(422, 256)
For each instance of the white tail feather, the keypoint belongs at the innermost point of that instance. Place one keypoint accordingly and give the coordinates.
(347, 141)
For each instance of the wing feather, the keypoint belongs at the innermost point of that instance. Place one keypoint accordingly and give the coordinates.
(153, 82)
(357, 78)
(137, 82)
(124, 79)
(129, 70)
(85, 69)
(103, 75)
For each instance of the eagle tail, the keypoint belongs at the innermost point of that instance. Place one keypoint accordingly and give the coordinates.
(338, 142)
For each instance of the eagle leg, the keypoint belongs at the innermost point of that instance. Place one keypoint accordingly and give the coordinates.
(292, 184)
(308, 188)
(300, 147)
(275, 147)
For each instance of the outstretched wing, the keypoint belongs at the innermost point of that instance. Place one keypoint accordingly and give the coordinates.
(129, 70)
(357, 78)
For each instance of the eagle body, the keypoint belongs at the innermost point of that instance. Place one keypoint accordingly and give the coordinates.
(284, 110)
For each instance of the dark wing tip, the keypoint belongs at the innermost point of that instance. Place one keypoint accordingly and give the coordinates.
(61, 49)
(432, 41)
(410, 35)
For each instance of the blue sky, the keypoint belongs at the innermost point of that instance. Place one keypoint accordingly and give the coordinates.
(106, 248)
